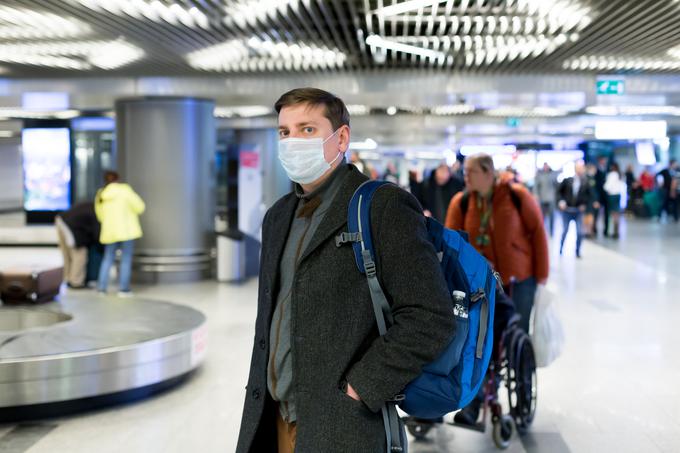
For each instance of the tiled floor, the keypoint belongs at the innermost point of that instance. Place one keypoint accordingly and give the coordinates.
(615, 388)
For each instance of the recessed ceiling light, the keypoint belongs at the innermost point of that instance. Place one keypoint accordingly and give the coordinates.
(358, 109)
(604, 63)
(24, 23)
(249, 12)
(72, 55)
(16, 112)
(155, 10)
(244, 111)
(381, 42)
(255, 54)
(407, 6)
(459, 109)
(632, 110)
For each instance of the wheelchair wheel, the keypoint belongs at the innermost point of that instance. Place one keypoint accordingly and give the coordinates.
(502, 431)
(522, 382)
(418, 430)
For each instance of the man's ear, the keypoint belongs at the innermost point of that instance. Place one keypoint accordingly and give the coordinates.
(343, 138)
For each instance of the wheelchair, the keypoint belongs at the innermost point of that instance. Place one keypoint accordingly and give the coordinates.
(514, 365)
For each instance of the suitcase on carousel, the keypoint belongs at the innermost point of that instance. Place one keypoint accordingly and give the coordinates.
(30, 285)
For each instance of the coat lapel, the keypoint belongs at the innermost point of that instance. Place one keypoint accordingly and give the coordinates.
(277, 240)
(336, 216)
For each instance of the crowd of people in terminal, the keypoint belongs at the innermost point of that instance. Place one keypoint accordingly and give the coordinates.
(598, 191)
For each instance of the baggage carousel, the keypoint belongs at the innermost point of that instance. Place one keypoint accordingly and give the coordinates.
(85, 351)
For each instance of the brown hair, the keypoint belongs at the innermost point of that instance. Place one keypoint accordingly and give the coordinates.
(110, 176)
(484, 161)
(335, 109)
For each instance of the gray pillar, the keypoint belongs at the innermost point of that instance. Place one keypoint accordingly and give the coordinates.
(275, 180)
(165, 148)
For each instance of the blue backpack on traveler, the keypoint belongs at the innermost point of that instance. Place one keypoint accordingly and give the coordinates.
(452, 380)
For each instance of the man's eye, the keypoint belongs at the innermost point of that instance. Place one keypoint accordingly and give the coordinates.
(308, 130)
(283, 133)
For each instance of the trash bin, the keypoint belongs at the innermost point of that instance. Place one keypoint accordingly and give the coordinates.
(231, 256)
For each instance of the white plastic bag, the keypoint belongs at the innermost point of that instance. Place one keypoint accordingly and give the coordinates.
(548, 333)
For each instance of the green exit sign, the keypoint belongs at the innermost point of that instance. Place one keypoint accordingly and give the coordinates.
(609, 86)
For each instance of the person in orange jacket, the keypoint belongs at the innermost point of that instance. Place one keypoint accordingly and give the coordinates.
(504, 223)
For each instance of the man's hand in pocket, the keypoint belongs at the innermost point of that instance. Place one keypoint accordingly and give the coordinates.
(352, 394)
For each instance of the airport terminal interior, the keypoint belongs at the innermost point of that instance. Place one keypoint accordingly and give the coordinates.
(141, 149)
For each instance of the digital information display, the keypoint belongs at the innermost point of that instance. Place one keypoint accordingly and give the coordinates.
(47, 168)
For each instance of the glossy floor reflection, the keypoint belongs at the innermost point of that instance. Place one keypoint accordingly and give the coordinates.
(614, 389)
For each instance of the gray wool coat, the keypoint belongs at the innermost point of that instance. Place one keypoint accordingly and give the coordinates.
(334, 332)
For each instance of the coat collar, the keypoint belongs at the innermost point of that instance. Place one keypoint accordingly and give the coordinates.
(336, 216)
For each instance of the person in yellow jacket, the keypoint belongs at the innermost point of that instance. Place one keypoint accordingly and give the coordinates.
(118, 208)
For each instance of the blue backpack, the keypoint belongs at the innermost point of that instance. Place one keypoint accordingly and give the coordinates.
(452, 380)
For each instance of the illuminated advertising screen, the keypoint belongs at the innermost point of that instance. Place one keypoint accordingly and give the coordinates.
(47, 168)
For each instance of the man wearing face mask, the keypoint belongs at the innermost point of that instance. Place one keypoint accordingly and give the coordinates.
(320, 373)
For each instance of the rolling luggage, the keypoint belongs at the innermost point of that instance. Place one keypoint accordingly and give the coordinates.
(30, 284)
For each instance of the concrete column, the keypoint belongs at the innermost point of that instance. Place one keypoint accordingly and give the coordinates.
(165, 149)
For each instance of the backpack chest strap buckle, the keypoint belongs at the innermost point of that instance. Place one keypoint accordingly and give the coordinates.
(345, 238)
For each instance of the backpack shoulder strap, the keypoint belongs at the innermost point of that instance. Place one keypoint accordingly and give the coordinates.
(516, 200)
(359, 221)
(359, 224)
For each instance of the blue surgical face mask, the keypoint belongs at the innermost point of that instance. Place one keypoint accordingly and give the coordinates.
(303, 158)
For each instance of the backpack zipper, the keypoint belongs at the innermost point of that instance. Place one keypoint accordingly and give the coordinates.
(477, 295)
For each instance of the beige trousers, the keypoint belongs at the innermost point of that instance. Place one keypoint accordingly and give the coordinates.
(75, 260)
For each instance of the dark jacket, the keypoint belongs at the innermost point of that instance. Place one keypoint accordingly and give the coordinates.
(667, 176)
(445, 192)
(83, 223)
(586, 193)
(334, 330)
(600, 178)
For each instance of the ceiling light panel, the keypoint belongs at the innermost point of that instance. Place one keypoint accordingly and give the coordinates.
(674, 52)
(382, 43)
(358, 109)
(78, 55)
(24, 23)
(248, 12)
(159, 11)
(632, 110)
(14, 112)
(473, 33)
(459, 109)
(255, 54)
(244, 111)
(608, 63)
(537, 112)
